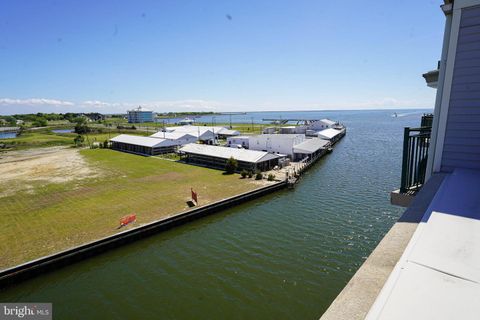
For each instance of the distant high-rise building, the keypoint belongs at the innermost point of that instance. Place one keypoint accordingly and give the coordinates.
(139, 115)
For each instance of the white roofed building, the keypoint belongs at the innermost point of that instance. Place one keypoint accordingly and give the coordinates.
(142, 145)
(238, 142)
(201, 133)
(276, 143)
(180, 138)
(215, 131)
(331, 134)
(310, 148)
(216, 157)
(321, 124)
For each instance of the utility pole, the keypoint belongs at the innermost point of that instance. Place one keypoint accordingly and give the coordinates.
(213, 129)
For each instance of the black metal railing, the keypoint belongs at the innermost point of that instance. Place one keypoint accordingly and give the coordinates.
(416, 142)
(427, 120)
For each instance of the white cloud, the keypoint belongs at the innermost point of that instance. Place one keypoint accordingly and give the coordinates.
(96, 104)
(35, 102)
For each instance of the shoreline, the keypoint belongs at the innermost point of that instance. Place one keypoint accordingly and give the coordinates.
(49, 263)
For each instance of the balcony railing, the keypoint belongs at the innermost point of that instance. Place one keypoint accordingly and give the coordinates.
(427, 120)
(416, 142)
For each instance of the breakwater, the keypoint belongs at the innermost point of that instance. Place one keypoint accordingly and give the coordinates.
(51, 262)
(285, 255)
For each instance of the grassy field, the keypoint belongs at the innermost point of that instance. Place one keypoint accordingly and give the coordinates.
(55, 216)
(46, 138)
(37, 139)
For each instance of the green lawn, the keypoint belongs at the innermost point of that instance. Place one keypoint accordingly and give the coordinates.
(46, 138)
(37, 139)
(57, 216)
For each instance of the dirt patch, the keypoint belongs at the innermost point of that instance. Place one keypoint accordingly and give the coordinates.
(19, 169)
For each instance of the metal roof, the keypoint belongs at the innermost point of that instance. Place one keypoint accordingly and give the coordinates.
(172, 135)
(328, 133)
(202, 129)
(228, 132)
(142, 141)
(328, 121)
(310, 145)
(280, 136)
(204, 132)
(245, 155)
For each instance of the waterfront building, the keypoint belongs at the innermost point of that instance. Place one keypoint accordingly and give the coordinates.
(269, 130)
(331, 134)
(294, 146)
(203, 134)
(142, 145)
(186, 122)
(427, 265)
(180, 138)
(216, 131)
(140, 115)
(216, 157)
(310, 148)
(276, 143)
(292, 130)
(238, 142)
(322, 124)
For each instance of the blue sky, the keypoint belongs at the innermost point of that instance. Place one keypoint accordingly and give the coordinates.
(106, 56)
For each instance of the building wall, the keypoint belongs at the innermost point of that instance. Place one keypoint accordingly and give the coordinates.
(185, 141)
(133, 148)
(319, 125)
(461, 146)
(140, 116)
(220, 163)
(234, 141)
(275, 143)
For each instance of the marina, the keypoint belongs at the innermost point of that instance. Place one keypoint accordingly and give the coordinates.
(258, 260)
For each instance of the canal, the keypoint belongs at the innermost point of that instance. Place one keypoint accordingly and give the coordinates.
(284, 256)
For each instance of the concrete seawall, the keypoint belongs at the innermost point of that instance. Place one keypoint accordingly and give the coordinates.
(51, 262)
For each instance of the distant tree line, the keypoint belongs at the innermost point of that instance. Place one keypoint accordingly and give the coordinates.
(183, 114)
(41, 119)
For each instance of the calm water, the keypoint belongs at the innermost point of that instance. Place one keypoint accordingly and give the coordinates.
(284, 256)
(7, 135)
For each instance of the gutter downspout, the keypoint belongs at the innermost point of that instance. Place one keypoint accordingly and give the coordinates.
(447, 10)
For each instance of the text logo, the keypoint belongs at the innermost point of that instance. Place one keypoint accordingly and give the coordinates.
(27, 311)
